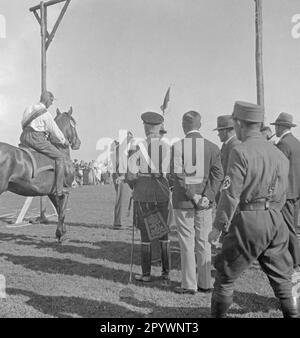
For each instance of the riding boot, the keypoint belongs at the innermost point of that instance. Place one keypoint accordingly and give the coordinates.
(59, 175)
(290, 307)
(219, 308)
(165, 259)
(146, 263)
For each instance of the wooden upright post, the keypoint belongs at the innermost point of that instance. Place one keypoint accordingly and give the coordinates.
(259, 53)
(43, 37)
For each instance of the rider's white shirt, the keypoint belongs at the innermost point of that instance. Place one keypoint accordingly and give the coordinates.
(43, 123)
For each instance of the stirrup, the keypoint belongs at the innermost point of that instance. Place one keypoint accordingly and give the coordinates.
(143, 278)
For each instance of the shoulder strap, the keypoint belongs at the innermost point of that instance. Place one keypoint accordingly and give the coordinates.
(35, 115)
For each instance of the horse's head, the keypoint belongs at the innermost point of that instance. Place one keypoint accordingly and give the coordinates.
(67, 125)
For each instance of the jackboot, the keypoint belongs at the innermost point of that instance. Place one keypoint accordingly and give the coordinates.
(219, 308)
(290, 307)
(165, 259)
(145, 263)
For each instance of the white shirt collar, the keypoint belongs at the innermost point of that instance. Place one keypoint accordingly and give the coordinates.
(230, 138)
(192, 131)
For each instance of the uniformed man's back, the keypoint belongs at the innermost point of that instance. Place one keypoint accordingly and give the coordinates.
(267, 168)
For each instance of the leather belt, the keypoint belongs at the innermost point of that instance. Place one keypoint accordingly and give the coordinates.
(258, 205)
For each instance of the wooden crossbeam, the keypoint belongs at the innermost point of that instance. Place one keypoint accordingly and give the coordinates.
(49, 3)
(59, 19)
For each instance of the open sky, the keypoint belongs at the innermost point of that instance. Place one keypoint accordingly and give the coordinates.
(113, 60)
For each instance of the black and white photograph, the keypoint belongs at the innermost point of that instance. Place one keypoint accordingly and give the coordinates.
(149, 162)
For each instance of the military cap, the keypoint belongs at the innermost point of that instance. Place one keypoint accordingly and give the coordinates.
(224, 122)
(248, 112)
(152, 118)
(284, 119)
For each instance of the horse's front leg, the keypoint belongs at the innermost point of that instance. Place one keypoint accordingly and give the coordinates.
(61, 204)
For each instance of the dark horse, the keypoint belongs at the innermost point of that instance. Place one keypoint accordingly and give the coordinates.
(17, 170)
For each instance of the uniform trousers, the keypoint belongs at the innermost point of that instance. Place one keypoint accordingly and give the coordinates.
(119, 188)
(290, 216)
(255, 235)
(193, 228)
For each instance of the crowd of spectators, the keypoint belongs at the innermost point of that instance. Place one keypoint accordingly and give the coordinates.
(91, 173)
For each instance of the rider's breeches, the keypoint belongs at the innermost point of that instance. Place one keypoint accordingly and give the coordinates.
(38, 141)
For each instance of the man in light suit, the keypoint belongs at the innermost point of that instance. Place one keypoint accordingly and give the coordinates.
(290, 146)
(197, 173)
(119, 179)
(226, 133)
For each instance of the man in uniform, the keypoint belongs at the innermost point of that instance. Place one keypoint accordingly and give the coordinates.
(197, 175)
(150, 191)
(256, 180)
(37, 125)
(290, 146)
(227, 136)
(119, 178)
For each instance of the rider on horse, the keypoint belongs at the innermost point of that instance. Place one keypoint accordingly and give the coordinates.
(38, 124)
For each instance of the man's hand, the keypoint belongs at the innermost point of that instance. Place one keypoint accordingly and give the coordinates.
(202, 202)
(120, 179)
(214, 236)
(66, 144)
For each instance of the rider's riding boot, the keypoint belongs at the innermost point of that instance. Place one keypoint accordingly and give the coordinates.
(59, 176)
(220, 306)
(146, 263)
(165, 259)
(290, 307)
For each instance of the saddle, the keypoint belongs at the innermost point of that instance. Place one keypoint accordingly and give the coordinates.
(40, 162)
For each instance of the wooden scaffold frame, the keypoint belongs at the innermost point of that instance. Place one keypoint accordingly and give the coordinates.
(41, 14)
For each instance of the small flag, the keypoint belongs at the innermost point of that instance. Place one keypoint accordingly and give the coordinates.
(166, 101)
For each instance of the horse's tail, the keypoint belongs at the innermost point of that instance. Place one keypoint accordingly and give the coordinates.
(5, 166)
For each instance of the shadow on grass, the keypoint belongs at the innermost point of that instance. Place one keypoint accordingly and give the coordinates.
(251, 302)
(68, 307)
(170, 312)
(90, 225)
(73, 268)
(114, 251)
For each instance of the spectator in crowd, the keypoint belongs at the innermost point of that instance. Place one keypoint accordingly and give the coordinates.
(267, 133)
(227, 136)
(290, 146)
(197, 175)
(119, 177)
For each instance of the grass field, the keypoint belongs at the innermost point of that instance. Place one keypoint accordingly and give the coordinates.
(84, 276)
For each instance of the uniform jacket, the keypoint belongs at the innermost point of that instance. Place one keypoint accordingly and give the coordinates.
(290, 146)
(149, 185)
(225, 151)
(195, 169)
(256, 170)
